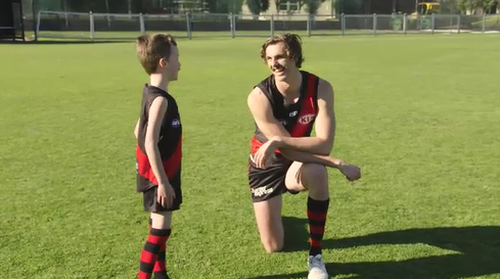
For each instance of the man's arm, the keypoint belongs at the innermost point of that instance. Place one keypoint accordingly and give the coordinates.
(305, 157)
(322, 143)
(156, 112)
(262, 113)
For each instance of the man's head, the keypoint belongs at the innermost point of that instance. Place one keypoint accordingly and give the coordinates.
(283, 54)
(159, 54)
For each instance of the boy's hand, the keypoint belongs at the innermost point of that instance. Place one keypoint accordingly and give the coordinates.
(166, 195)
(351, 172)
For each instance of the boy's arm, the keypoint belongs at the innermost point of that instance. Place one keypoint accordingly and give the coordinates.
(136, 129)
(322, 143)
(157, 111)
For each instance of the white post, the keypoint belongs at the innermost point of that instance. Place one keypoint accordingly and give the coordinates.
(37, 31)
(458, 23)
(433, 22)
(272, 24)
(484, 22)
(141, 23)
(374, 24)
(309, 21)
(405, 19)
(232, 20)
(342, 24)
(188, 22)
(92, 30)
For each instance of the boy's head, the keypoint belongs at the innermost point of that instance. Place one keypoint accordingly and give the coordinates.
(283, 54)
(158, 54)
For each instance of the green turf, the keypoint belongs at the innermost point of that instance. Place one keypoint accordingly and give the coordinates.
(419, 114)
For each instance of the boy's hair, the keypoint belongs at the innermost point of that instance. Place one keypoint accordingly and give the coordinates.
(151, 48)
(293, 45)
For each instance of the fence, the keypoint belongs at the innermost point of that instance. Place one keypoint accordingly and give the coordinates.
(98, 26)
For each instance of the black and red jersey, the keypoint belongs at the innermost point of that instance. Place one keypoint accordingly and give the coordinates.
(170, 141)
(297, 118)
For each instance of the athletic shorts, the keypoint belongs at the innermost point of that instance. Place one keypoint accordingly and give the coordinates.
(151, 204)
(269, 182)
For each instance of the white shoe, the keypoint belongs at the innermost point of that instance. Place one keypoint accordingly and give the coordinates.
(317, 269)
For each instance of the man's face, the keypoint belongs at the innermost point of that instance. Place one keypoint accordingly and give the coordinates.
(278, 61)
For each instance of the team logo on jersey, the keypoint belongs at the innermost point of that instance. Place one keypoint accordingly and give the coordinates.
(293, 114)
(176, 123)
(306, 119)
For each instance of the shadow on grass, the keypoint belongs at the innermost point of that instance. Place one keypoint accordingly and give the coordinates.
(478, 248)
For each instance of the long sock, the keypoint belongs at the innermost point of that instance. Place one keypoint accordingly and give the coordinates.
(316, 213)
(160, 268)
(150, 252)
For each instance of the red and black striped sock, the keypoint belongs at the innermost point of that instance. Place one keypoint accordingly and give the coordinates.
(160, 268)
(150, 253)
(316, 213)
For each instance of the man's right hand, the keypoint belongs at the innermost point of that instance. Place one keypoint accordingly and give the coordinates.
(351, 172)
(166, 195)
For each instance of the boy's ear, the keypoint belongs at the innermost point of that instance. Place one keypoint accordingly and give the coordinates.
(163, 62)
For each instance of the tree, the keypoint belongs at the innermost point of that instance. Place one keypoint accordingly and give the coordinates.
(224, 6)
(472, 5)
(348, 6)
(278, 5)
(257, 6)
(312, 6)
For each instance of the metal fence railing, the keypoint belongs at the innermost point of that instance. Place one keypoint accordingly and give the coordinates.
(95, 26)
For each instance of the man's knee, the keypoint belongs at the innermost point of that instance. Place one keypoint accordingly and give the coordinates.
(272, 245)
(314, 175)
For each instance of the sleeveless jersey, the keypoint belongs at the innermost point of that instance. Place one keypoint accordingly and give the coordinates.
(170, 143)
(297, 118)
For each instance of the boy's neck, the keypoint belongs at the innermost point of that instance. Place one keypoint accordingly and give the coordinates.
(157, 80)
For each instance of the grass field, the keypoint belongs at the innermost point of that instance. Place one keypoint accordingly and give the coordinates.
(418, 114)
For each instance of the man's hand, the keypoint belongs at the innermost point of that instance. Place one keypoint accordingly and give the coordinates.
(351, 172)
(265, 151)
(166, 195)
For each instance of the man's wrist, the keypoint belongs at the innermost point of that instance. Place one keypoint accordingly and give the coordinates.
(337, 163)
(277, 141)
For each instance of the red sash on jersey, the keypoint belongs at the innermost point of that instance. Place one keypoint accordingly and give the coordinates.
(170, 165)
(307, 114)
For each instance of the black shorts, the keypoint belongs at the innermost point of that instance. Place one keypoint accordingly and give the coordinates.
(151, 204)
(269, 182)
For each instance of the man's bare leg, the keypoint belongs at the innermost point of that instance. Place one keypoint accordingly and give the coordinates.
(269, 223)
(314, 178)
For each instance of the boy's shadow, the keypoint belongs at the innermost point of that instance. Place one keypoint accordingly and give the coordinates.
(474, 251)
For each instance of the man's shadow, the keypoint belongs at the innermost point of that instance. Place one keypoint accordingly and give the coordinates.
(476, 252)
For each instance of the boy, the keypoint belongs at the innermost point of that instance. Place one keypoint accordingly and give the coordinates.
(159, 148)
(284, 156)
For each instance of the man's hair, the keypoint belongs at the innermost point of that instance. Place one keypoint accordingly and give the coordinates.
(293, 46)
(152, 48)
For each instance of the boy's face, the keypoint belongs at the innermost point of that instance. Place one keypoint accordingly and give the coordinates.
(278, 61)
(171, 67)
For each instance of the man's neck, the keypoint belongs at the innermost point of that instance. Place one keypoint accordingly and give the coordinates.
(157, 80)
(291, 86)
